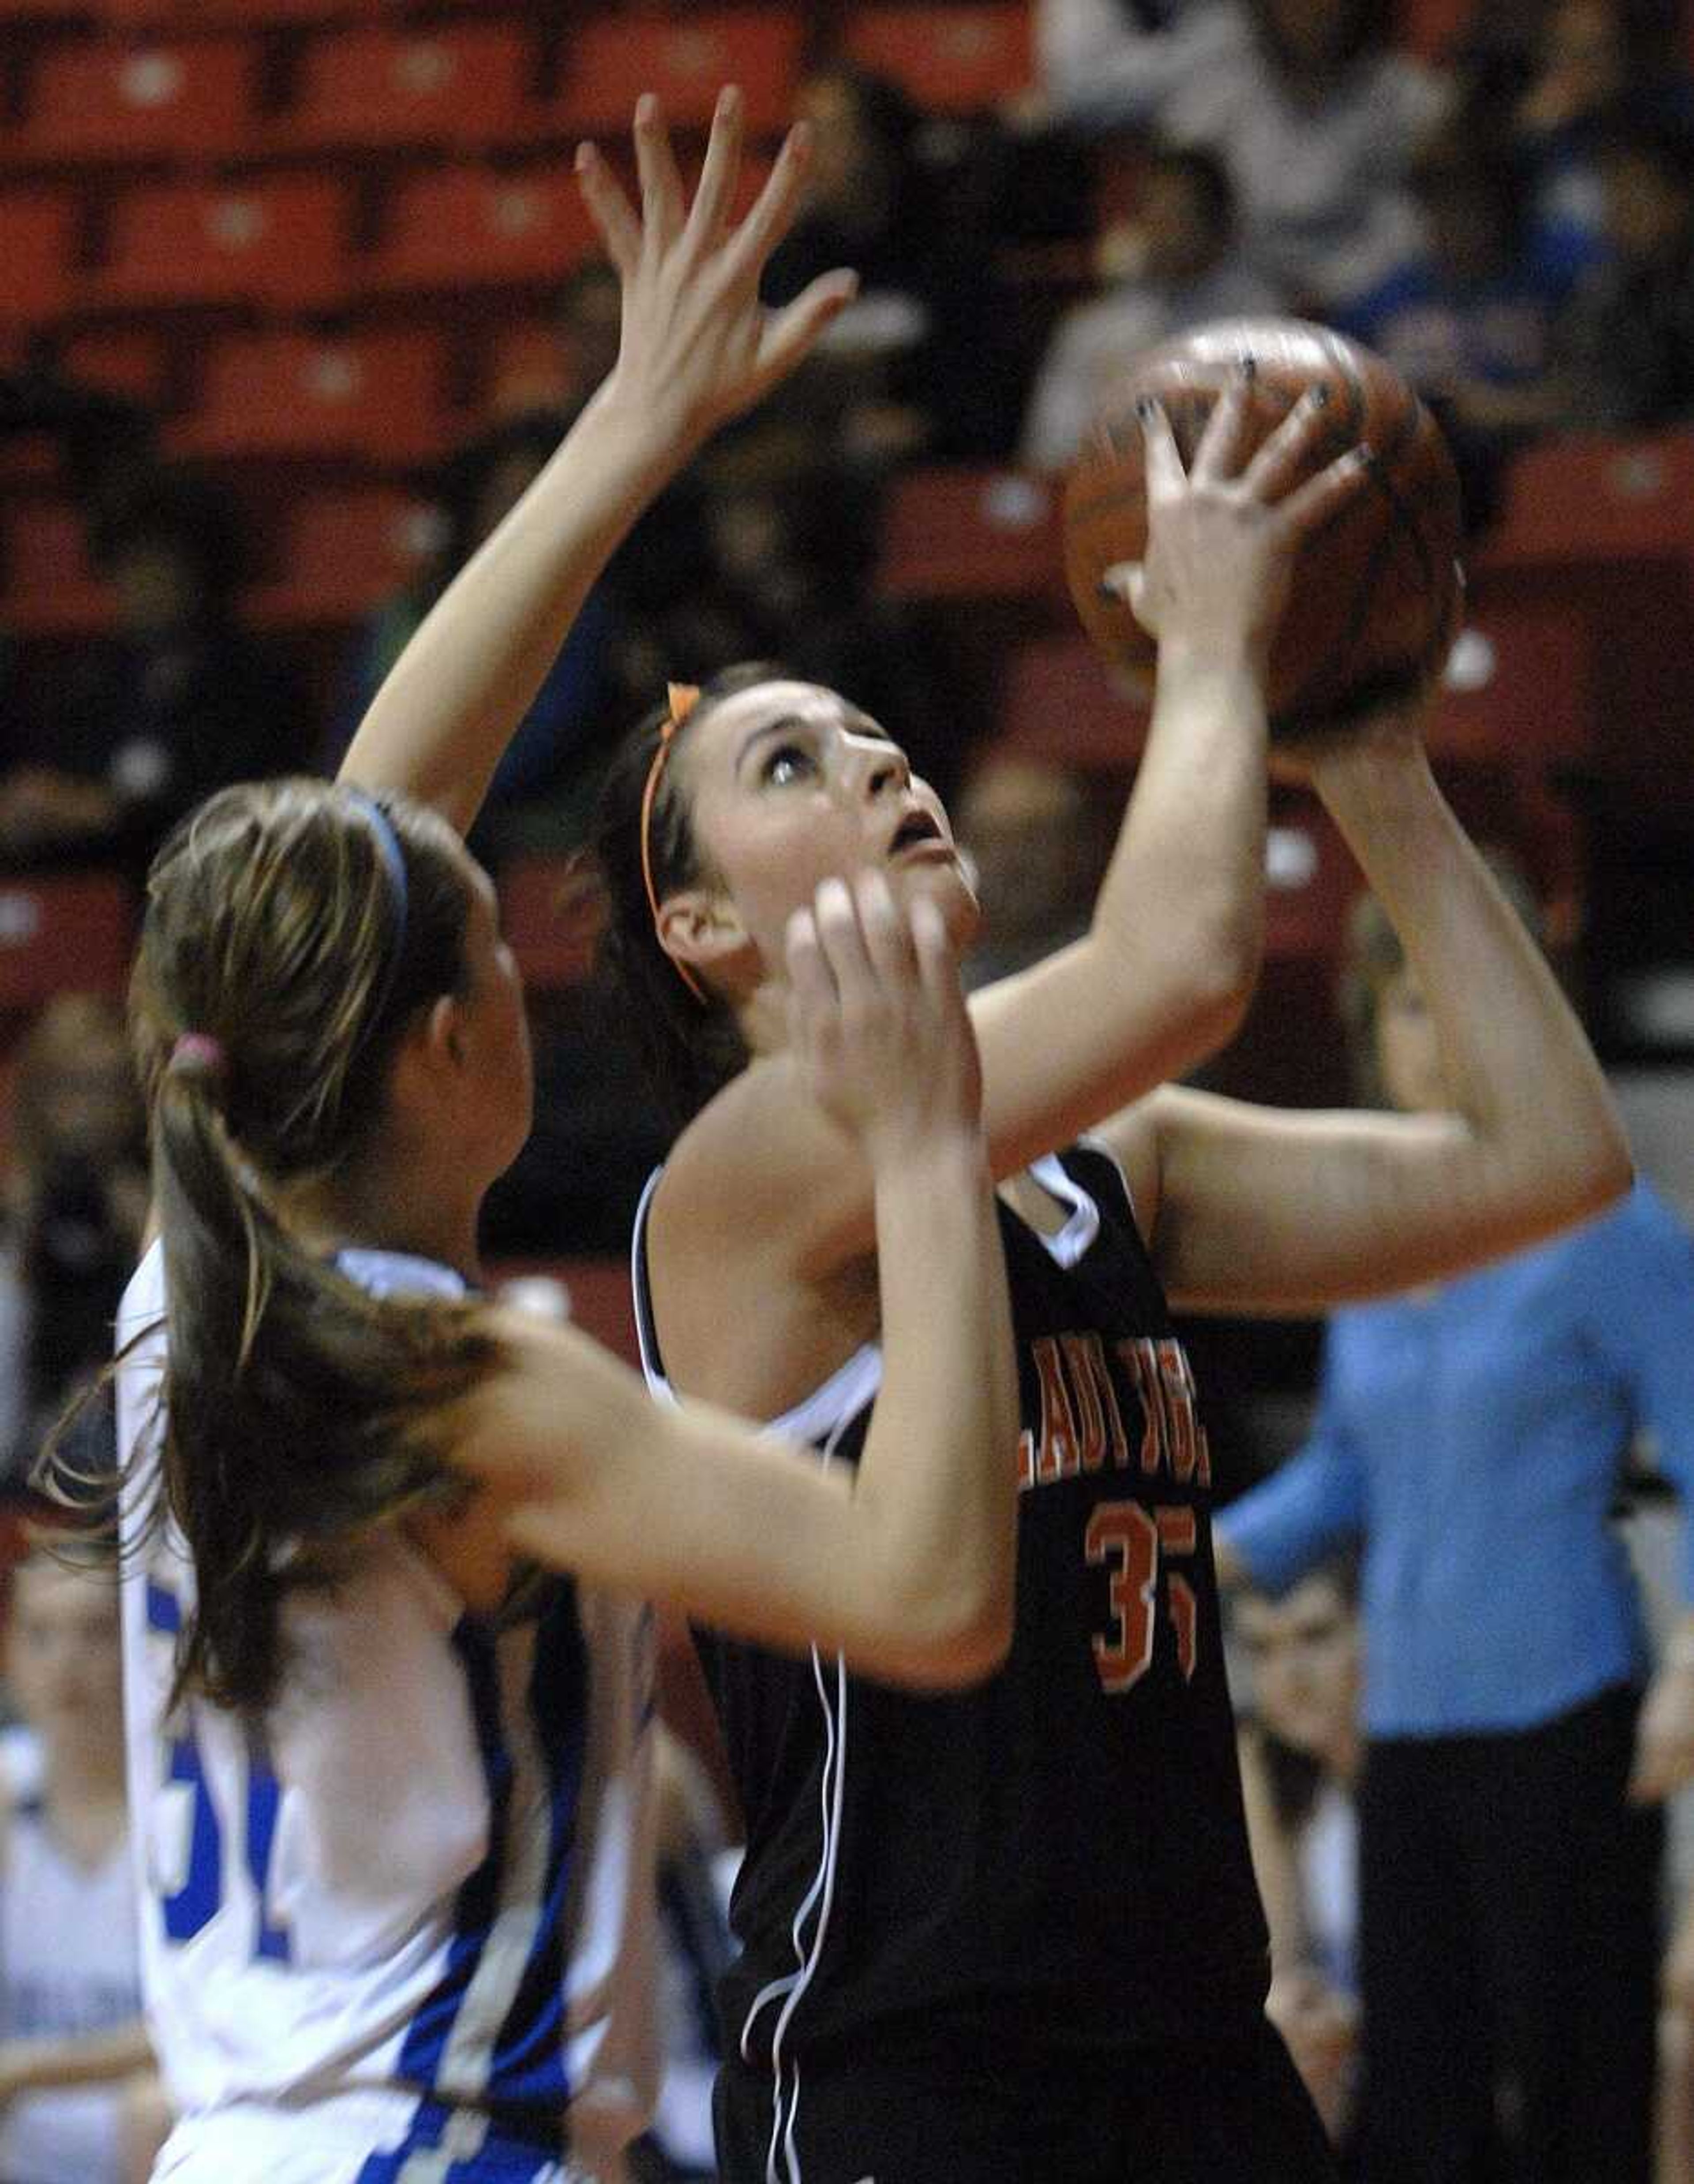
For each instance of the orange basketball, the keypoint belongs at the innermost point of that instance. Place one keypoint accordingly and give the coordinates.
(1376, 591)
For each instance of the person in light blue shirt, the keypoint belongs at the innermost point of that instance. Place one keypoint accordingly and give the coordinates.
(1471, 1437)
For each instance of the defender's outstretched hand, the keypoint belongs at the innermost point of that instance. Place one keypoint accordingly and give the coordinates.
(878, 1020)
(698, 346)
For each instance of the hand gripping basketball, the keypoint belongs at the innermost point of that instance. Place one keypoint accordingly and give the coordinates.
(1373, 586)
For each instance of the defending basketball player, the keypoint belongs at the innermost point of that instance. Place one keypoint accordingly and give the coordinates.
(1011, 1934)
(390, 1784)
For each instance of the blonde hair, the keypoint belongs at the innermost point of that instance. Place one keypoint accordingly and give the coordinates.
(291, 934)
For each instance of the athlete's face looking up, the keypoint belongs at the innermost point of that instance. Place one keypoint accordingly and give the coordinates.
(786, 784)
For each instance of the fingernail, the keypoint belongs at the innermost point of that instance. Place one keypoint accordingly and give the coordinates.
(646, 107)
(1145, 407)
(585, 158)
(1247, 366)
(727, 100)
(1365, 457)
(1107, 591)
(1318, 396)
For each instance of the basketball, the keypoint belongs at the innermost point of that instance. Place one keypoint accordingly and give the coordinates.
(1375, 602)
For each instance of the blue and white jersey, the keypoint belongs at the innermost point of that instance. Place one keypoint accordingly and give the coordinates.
(399, 1932)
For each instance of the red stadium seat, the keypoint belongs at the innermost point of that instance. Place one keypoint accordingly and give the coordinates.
(49, 588)
(242, 14)
(38, 239)
(128, 359)
(377, 395)
(1519, 689)
(454, 84)
(949, 60)
(457, 227)
(60, 930)
(280, 242)
(91, 101)
(41, 11)
(612, 58)
(342, 553)
(1598, 498)
(971, 533)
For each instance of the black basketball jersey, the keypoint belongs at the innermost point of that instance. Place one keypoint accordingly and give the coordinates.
(1059, 1856)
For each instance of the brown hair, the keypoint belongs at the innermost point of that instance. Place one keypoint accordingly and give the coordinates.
(289, 942)
(690, 1048)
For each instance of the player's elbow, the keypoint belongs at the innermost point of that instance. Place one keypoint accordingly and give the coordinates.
(1607, 1174)
(950, 1637)
(1579, 1175)
(1591, 1168)
(1216, 991)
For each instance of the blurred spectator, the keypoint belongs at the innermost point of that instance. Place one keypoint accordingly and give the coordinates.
(1472, 1436)
(76, 1201)
(544, 783)
(923, 362)
(1469, 314)
(1596, 68)
(1300, 1763)
(1177, 264)
(1468, 317)
(77, 2093)
(183, 701)
(1315, 114)
(1625, 346)
(1038, 836)
(1103, 63)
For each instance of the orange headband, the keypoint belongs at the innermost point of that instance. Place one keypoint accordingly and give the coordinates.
(680, 700)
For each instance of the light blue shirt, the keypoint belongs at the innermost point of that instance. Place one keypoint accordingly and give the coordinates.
(1472, 1438)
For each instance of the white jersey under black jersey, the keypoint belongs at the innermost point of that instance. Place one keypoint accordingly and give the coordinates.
(399, 1933)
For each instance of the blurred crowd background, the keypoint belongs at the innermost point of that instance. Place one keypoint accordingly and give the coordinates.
(296, 297)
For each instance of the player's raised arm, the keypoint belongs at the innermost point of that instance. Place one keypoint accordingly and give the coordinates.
(907, 1564)
(697, 347)
(1260, 1209)
(1165, 973)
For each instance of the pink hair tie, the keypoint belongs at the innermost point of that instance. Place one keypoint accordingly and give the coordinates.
(197, 1054)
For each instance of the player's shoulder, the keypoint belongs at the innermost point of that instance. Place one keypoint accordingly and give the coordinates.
(759, 1172)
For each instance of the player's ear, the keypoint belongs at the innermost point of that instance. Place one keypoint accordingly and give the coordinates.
(701, 928)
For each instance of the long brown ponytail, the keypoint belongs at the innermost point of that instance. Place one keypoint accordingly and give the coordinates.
(292, 932)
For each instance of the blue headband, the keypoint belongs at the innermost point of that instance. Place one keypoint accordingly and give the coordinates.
(394, 864)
